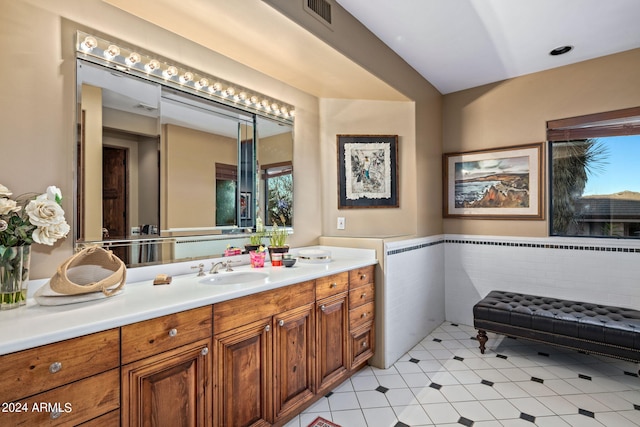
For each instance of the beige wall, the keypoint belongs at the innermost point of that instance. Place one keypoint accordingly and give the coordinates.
(360, 117)
(351, 38)
(38, 106)
(515, 112)
(190, 157)
(275, 149)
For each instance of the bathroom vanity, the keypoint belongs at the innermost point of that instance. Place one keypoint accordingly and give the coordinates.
(194, 352)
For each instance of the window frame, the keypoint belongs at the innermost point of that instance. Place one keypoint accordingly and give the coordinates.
(624, 122)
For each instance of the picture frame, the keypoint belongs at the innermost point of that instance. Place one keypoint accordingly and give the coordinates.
(367, 171)
(245, 205)
(497, 183)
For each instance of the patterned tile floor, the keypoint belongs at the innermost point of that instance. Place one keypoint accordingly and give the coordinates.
(445, 381)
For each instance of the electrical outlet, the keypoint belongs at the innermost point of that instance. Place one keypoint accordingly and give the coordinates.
(340, 223)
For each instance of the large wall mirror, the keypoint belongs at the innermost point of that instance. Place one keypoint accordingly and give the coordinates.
(165, 175)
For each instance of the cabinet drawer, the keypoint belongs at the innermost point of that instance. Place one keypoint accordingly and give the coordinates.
(361, 276)
(332, 285)
(70, 404)
(362, 345)
(153, 336)
(360, 296)
(241, 311)
(361, 315)
(42, 368)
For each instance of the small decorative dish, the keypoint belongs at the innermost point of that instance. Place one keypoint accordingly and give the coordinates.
(289, 262)
(314, 256)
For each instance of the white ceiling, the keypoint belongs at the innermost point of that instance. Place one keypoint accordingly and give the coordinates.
(459, 44)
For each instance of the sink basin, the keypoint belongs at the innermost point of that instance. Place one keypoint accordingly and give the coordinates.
(234, 278)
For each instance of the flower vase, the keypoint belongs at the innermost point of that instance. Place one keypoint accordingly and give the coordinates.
(14, 276)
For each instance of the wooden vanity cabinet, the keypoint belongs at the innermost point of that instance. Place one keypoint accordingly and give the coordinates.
(332, 329)
(263, 348)
(167, 378)
(64, 383)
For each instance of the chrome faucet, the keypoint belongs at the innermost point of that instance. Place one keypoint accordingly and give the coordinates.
(215, 266)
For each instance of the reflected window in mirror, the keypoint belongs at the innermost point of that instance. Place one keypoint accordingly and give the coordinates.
(278, 188)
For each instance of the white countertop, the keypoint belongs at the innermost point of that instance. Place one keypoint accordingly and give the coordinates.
(36, 325)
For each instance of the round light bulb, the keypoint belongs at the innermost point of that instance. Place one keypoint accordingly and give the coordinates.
(170, 72)
(230, 91)
(217, 87)
(152, 65)
(254, 99)
(133, 58)
(201, 83)
(186, 77)
(112, 51)
(89, 44)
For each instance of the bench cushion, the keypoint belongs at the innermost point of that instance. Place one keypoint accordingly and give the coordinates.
(559, 321)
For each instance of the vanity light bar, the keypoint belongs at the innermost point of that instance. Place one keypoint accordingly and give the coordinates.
(132, 61)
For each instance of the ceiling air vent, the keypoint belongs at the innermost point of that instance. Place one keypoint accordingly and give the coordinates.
(320, 9)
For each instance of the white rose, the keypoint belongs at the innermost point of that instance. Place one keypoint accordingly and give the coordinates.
(54, 193)
(4, 191)
(48, 235)
(44, 212)
(8, 206)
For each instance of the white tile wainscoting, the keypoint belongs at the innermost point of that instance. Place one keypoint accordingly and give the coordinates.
(414, 293)
(432, 279)
(603, 271)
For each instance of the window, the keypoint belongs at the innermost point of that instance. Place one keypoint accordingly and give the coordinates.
(278, 185)
(595, 175)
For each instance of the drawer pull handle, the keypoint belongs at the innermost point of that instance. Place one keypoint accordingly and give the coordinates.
(364, 344)
(364, 276)
(281, 322)
(322, 307)
(267, 328)
(333, 285)
(364, 295)
(364, 315)
(173, 332)
(55, 367)
(204, 351)
(55, 415)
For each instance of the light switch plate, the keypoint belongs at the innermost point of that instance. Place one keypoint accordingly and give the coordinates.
(341, 223)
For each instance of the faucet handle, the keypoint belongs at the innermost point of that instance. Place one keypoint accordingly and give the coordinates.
(227, 264)
(200, 268)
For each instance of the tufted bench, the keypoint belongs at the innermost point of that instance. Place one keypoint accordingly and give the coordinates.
(592, 328)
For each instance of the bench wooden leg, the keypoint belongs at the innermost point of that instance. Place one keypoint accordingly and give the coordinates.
(482, 339)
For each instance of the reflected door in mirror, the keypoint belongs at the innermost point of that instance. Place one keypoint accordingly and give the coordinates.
(115, 197)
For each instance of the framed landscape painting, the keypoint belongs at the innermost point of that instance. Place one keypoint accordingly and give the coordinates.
(367, 171)
(500, 183)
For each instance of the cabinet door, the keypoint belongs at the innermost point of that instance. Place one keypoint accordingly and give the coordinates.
(332, 336)
(169, 389)
(294, 347)
(243, 375)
